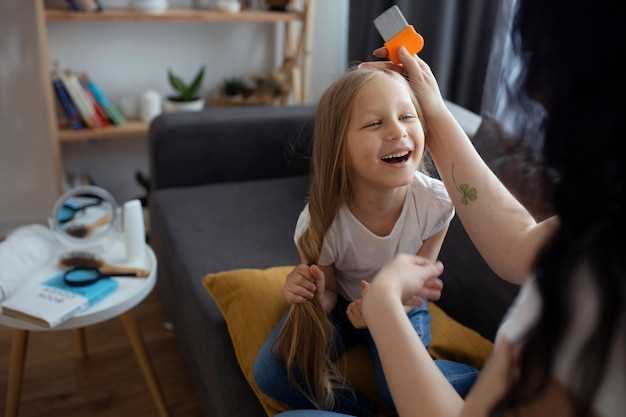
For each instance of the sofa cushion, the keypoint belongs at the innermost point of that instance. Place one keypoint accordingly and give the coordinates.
(232, 225)
(251, 302)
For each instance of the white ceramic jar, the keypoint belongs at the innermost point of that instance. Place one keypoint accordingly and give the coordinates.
(149, 6)
(149, 105)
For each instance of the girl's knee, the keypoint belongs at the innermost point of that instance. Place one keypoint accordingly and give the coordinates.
(420, 319)
(459, 375)
(264, 371)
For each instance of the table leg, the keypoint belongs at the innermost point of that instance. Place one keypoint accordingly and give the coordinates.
(80, 339)
(136, 341)
(19, 345)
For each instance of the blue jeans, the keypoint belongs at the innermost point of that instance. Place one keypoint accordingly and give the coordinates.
(271, 375)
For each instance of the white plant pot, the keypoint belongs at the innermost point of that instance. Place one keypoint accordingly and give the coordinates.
(172, 106)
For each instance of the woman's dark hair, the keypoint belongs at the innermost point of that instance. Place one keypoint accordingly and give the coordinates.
(574, 53)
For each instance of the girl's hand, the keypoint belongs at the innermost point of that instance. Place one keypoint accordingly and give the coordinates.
(420, 78)
(354, 312)
(300, 285)
(320, 282)
(430, 292)
(408, 276)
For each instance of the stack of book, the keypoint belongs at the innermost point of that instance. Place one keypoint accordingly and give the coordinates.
(53, 302)
(82, 104)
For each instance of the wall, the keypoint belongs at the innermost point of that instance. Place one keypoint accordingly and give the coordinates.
(28, 163)
(127, 58)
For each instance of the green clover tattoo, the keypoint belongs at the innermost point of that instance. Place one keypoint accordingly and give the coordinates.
(468, 193)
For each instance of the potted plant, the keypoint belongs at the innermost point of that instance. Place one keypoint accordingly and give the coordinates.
(238, 88)
(254, 90)
(187, 97)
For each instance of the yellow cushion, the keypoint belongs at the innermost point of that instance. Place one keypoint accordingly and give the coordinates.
(251, 302)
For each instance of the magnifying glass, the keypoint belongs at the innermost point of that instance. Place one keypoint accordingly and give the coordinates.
(82, 276)
(86, 218)
(68, 211)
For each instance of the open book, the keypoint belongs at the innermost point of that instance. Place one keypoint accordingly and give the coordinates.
(52, 302)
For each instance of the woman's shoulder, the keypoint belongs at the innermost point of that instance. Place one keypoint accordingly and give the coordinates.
(526, 311)
(526, 308)
(522, 314)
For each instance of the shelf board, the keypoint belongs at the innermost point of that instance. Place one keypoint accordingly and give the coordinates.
(127, 130)
(173, 15)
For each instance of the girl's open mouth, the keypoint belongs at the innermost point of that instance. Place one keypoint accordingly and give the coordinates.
(396, 158)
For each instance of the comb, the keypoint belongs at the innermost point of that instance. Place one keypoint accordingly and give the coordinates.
(396, 32)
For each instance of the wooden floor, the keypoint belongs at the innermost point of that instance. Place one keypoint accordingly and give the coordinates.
(109, 382)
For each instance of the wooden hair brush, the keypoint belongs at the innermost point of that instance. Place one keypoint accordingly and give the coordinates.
(87, 259)
(84, 230)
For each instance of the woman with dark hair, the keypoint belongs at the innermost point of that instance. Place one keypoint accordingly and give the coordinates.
(561, 350)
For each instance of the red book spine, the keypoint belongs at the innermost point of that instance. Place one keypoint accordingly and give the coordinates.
(100, 113)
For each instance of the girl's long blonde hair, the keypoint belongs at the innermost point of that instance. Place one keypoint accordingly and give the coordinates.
(305, 341)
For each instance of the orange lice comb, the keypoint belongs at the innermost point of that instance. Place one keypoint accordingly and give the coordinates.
(396, 32)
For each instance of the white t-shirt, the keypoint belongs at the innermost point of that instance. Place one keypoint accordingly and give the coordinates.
(358, 254)
(611, 397)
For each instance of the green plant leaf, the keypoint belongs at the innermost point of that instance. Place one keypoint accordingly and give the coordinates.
(192, 91)
(176, 83)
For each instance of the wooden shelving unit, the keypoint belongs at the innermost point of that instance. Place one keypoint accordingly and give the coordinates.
(130, 129)
(189, 15)
(296, 64)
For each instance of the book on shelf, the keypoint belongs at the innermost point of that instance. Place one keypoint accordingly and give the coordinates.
(53, 302)
(87, 5)
(112, 112)
(73, 5)
(83, 102)
(100, 114)
(63, 98)
(85, 109)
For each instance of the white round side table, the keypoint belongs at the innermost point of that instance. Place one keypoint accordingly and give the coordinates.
(130, 292)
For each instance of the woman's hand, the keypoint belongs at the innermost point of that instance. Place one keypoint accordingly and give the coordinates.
(420, 78)
(300, 285)
(408, 277)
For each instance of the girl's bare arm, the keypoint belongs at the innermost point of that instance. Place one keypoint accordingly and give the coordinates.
(431, 246)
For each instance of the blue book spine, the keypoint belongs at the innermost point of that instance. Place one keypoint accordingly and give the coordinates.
(111, 111)
(93, 293)
(73, 5)
(66, 103)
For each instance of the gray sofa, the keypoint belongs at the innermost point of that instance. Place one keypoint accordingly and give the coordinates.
(227, 187)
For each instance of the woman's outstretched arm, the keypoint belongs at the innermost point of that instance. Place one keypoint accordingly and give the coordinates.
(417, 386)
(503, 231)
